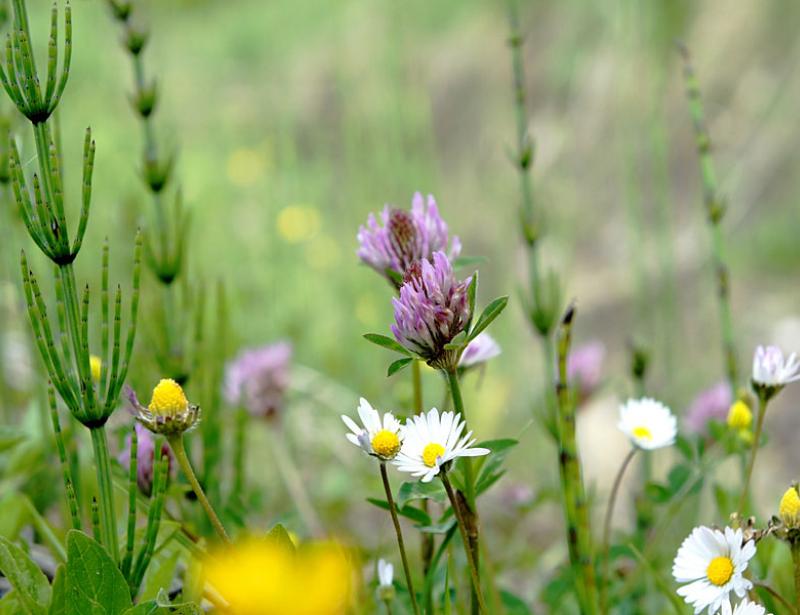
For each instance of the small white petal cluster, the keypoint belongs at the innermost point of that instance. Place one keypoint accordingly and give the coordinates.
(771, 369)
(385, 573)
(648, 423)
(424, 444)
(745, 607)
(712, 564)
(366, 435)
(430, 441)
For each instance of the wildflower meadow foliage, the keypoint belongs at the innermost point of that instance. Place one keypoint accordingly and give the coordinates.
(153, 462)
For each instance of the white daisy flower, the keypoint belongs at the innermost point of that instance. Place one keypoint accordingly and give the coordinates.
(648, 423)
(385, 573)
(745, 607)
(479, 350)
(376, 437)
(431, 441)
(712, 564)
(770, 369)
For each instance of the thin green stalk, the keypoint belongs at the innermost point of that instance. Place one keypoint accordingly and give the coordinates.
(715, 211)
(762, 411)
(575, 507)
(607, 530)
(784, 602)
(130, 535)
(473, 565)
(470, 509)
(796, 562)
(400, 543)
(427, 547)
(176, 444)
(108, 518)
(294, 484)
(239, 444)
(72, 501)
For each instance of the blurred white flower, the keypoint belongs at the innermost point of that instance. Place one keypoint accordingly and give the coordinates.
(712, 563)
(430, 441)
(771, 369)
(648, 423)
(745, 607)
(385, 573)
(479, 350)
(379, 438)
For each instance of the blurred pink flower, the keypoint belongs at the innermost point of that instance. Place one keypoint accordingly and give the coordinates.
(479, 351)
(258, 379)
(145, 457)
(585, 368)
(710, 404)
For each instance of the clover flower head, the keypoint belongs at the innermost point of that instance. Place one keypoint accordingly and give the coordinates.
(432, 309)
(169, 412)
(258, 378)
(585, 367)
(710, 404)
(404, 237)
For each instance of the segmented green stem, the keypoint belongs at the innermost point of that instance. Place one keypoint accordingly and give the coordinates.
(72, 501)
(130, 534)
(715, 211)
(108, 518)
(575, 506)
(427, 547)
(399, 533)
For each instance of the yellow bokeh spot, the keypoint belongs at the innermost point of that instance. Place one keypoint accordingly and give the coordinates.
(739, 415)
(168, 399)
(431, 453)
(322, 253)
(789, 509)
(245, 166)
(720, 570)
(386, 443)
(642, 433)
(298, 223)
(267, 578)
(96, 367)
(366, 310)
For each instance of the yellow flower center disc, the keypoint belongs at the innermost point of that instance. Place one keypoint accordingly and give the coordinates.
(642, 433)
(431, 453)
(720, 571)
(386, 443)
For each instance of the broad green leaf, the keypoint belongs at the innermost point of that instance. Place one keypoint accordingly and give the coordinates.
(409, 512)
(58, 602)
(417, 490)
(279, 536)
(183, 608)
(94, 586)
(398, 365)
(32, 587)
(439, 528)
(386, 342)
(159, 575)
(513, 605)
(457, 342)
(147, 608)
(9, 605)
(492, 311)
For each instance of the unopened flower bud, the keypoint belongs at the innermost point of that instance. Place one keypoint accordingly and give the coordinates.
(740, 416)
(789, 508)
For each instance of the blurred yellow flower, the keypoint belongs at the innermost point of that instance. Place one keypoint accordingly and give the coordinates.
(96, 367)
(261, 577)
(789, 508)
(739, 415)
(245, 166)
(298, 223)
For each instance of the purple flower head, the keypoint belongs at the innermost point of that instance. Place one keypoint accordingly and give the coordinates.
(710, 404)
(433, 308)
(585, 367)
(259, 378)
(479, 351)
(145, 457)
(404, 238)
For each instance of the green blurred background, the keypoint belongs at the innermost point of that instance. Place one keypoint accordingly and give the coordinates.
(293, 120)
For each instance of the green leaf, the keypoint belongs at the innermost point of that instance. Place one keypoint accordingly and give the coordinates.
(182, 608)
(409, 512)
(386, 342)
(513, 605)
(58, 603)
(439, 528)
(398, 365)
(472, 293)
(657, 493)
(147, 608)
(32, 587)
(159, 575)
(94, 586)
(489, 468)
(418, 490)
(457, 342)
(279, 536)
(492, 311)
(9, 605)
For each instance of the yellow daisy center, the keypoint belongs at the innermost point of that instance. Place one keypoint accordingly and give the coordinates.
(431, 453)
(720, 570)
(168, 399)
(386, 443)
(642, 433)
